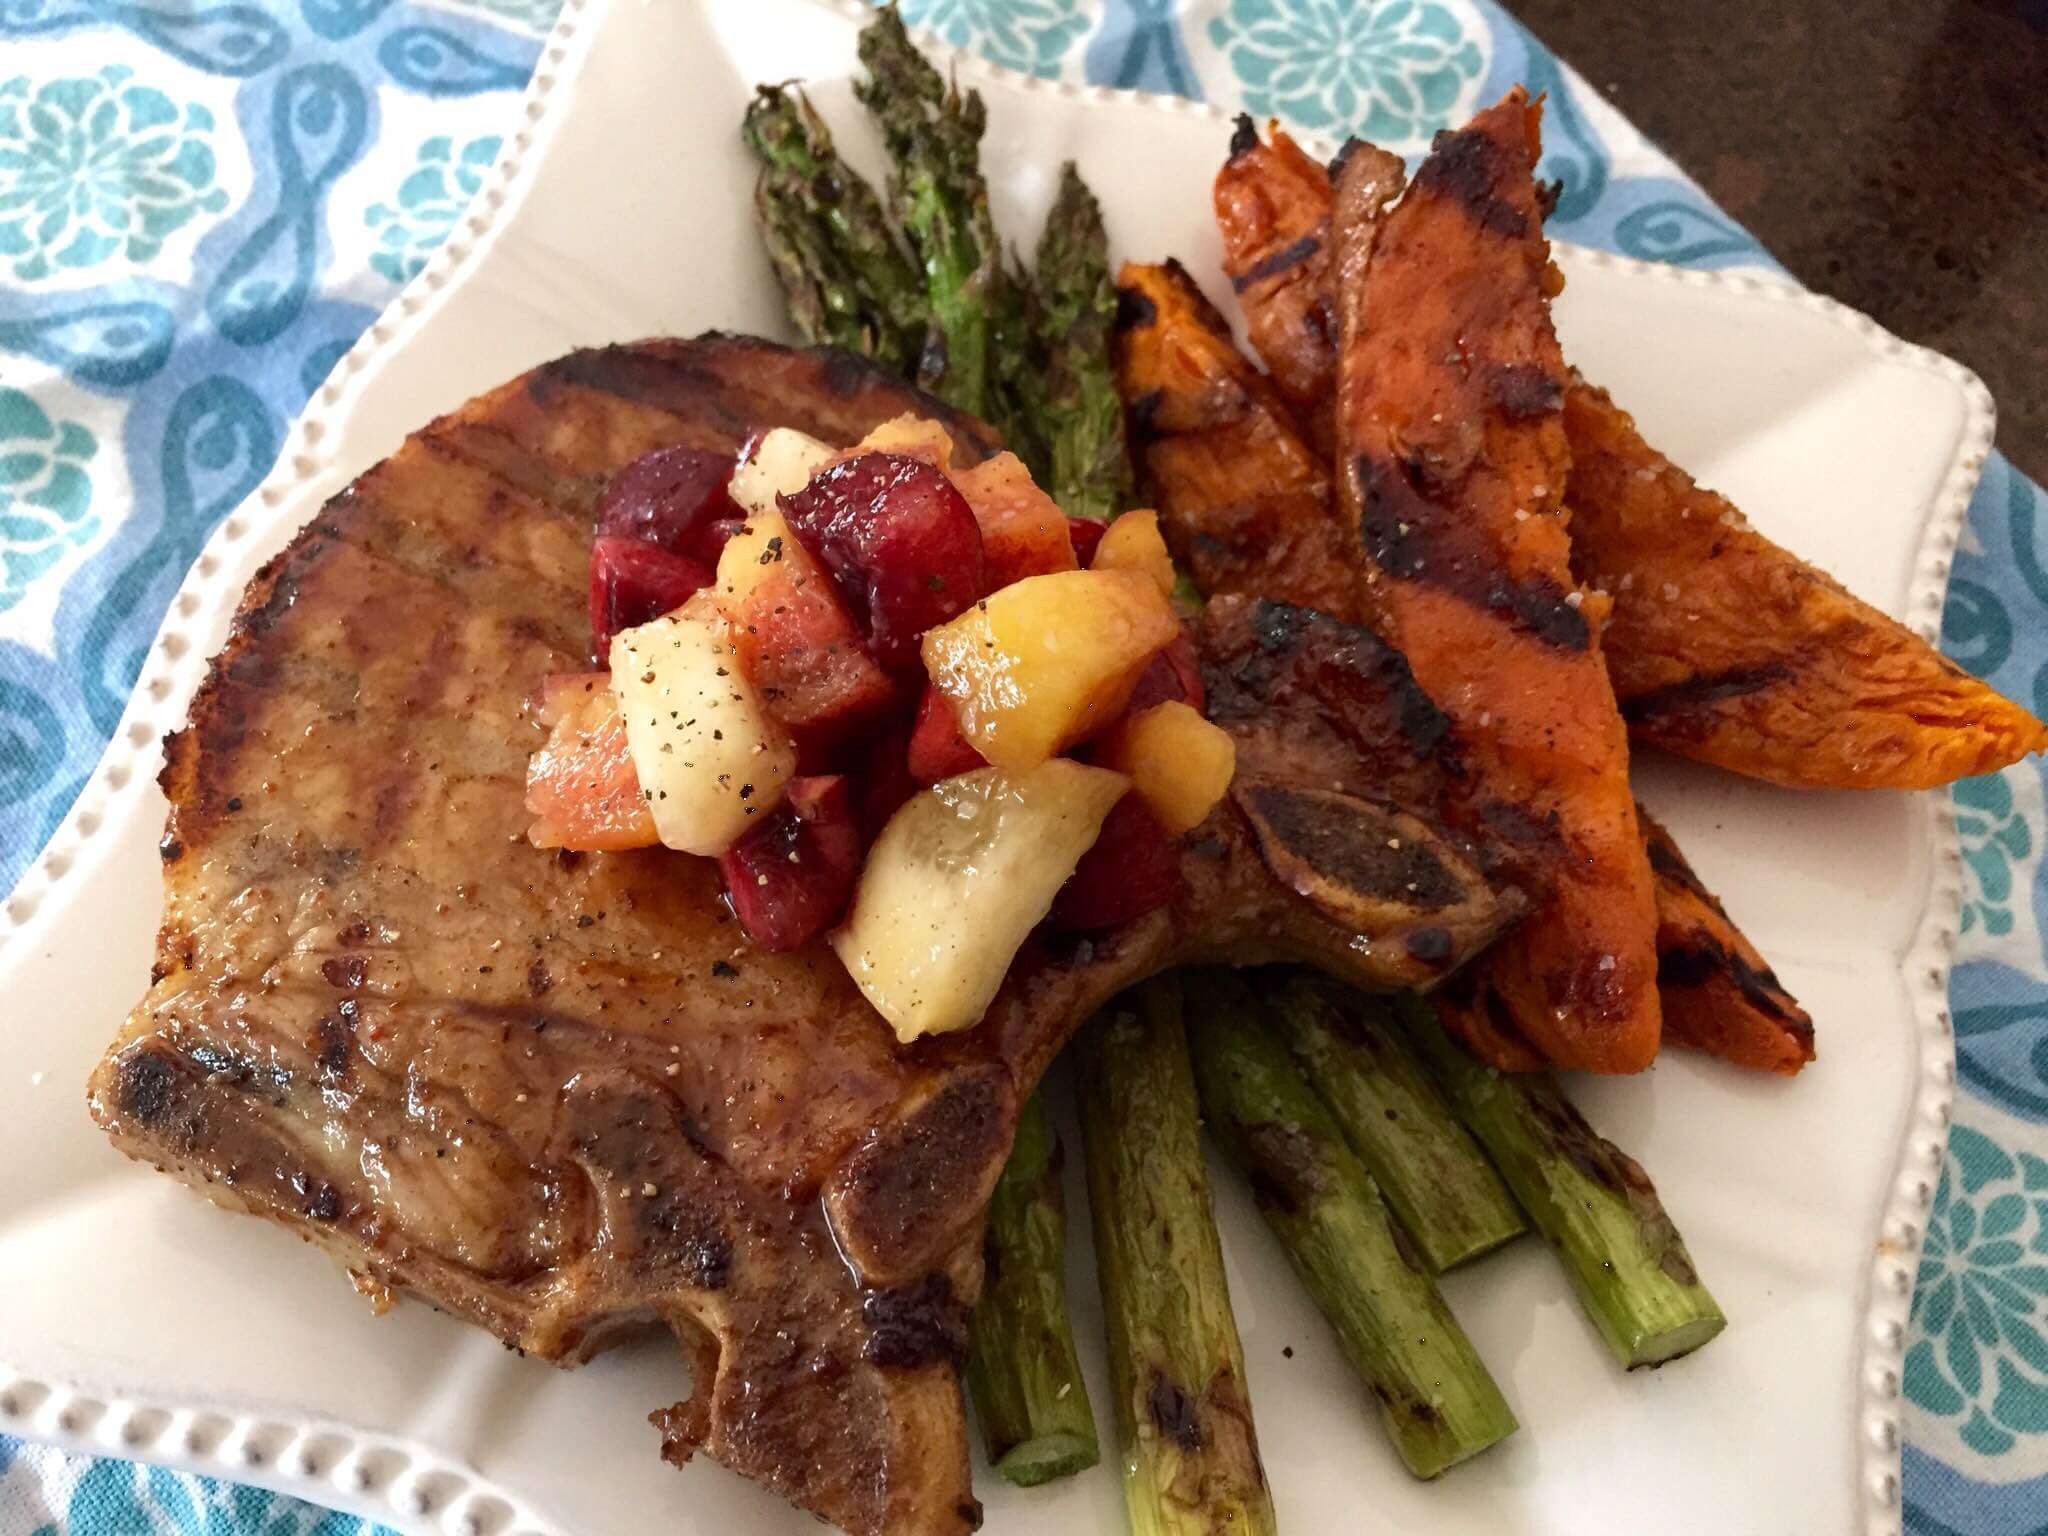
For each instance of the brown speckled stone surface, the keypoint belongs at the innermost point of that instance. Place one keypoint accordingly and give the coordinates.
(1894, 155)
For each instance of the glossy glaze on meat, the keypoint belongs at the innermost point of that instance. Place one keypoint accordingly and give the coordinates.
(560, 1095)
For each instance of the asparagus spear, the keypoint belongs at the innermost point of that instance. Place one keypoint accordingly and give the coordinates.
(1021, 1364)
(1442, 1189)
(1184, 1423)
(1589, 1198)
(1439, 1403)
(940, 200)
(848, 281)
(1087, 471)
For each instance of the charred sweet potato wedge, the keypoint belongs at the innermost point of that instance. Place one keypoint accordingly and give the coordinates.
(1782, 675)
(1450, 424)
(1727, 648)
(1720, 997)
(1243, 502)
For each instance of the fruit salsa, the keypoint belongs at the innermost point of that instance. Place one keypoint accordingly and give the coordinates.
(910, 708)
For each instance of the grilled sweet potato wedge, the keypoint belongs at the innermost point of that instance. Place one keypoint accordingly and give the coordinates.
(1206, 494)
(1454, 460)
(1719, 995)
(1243, 502)
(1722, 646)
(1727, 648)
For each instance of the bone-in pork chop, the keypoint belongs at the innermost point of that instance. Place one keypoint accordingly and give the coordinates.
(561, 1095)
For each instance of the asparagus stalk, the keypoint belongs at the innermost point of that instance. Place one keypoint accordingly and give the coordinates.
(1592, 1201)
(1440, 1405)
(1079, 413)
(940, 200)
(848, 281)
(1021, 1364)
(1184, 1423)
(1440, 1186)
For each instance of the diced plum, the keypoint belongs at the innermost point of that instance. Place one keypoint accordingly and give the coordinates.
(790, 878)
(937, 749)
(884, 778)
(632, 582)
(1023, 531)
(1173, 676)
(580, 786)
(901, 542)
(1131, 870)
(1085, 534)
(675, 499)
(794, 638)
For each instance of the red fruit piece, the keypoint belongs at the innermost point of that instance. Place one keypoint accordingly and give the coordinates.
(1174, 675)
(1131, 870)
(901, 542)
(790, 878)
(798, 645)
(674, 499)
(1086, 533)
(937, 749)
(631, 583)
(884, 779)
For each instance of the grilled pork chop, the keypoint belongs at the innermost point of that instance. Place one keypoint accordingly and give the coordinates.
(560, 1095)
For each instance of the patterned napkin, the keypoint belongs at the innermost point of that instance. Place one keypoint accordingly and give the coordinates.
(203, 202)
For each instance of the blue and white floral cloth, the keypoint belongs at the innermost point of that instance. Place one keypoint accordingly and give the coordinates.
(203, 202)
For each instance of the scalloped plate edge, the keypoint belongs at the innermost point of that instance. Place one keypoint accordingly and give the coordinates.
(406, 1482)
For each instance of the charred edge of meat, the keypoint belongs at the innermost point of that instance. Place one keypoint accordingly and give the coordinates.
(1682, 707)
(1462, 168)
(1282, 260)
(914, 1325)
(1411, 539)
(1353, 852)
(1287, 633)
(1702, 958)
(902, 1199)
(684, 377)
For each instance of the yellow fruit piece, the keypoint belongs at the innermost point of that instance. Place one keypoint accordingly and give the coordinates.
(1178, 762)
(957, 881)
(1047, 661)
(711, 760)
(916, 437)
(1133, 544)
(781, 464)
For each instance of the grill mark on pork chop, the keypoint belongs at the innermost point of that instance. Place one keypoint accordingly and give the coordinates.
(751, 1160)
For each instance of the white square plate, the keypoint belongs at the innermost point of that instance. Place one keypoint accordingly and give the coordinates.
(138, 1320)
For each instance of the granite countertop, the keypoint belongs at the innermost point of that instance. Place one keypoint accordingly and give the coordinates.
(1894, 156)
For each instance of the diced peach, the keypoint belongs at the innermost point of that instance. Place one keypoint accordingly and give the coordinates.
(916, 437)
(1178, 762)
(580, 786)
(1023, 531)
(957, 881)
(795, 640)
(1047, 661)
(1132, 543)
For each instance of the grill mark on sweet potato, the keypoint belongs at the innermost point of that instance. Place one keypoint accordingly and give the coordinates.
(1280, 261)
(1681, 709)
(1411, 540)
(1467, 166)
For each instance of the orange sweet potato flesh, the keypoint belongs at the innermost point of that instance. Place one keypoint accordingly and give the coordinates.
(1783, 676)
(1244, 503)
(1451, 426)
(1727, 648)
(1269, 486)
(1719, 995)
